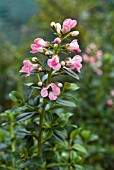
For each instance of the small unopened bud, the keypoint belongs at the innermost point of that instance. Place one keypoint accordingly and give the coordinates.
(74, 33)
(40, 69)
(53, 24)
(47, 53)
(40, 83)
(62, 63)
(60, 85)
(34, 59)
(57, 40)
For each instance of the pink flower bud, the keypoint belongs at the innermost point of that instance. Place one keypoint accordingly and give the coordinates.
(68, 24)
(40, 83)
(73, 46)
(57, 40)
(74, 33)
(88, 50)
(92, 60)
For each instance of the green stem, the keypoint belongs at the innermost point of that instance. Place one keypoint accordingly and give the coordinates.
(49, 76)
(12, 136)
(41, 131)
(7, 167)
(69, 150)
(38, 77)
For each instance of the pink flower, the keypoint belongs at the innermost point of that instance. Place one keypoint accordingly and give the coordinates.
(54, 62)
(28, 67)
(57, 40)
(68, 24)
(52, 91)
(38, 46)
(73, 46)
(85, 57)
(99, 54)
(109, 102)
(41, 43)
(92, 60)
(36, 49)
(56, 26)
(74, 63)
(88, 50)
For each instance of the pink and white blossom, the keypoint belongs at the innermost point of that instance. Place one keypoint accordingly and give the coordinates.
(39, 45)
(51, 91)
(54, 62)
(74, 63)
(112, 92)
(109, 102)
(92, 59)
(68, 24)
(73, 46)
(29, 67)
(57, 40)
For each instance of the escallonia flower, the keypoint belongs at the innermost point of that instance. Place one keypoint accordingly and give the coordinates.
(56, 27)
(74, 63)
(74, 33)
(68, 24)
(51, 91)
(57, 40)
(54, 62)
(29, 67)
(39, 45)
(73, 46)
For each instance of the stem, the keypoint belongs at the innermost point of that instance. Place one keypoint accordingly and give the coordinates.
(69, 150)
(49, 76)
(12, 136)
(7, 167)
(41, 131)
(38, 77)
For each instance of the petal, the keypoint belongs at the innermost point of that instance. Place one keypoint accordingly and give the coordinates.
(55, 89)
(44, 92)
(57, 67)
(52, 96)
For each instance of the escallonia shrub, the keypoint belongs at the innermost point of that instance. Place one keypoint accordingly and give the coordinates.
(48, 139)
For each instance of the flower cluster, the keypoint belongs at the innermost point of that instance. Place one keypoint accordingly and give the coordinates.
(52, 51)
(93, 56)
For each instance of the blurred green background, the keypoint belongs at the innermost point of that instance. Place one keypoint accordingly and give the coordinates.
(23, 20)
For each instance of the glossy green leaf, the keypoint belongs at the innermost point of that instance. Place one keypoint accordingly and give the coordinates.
(16, 97)
(24, 116)
(79, 148)
(70, 87)
(71, 73)
(66, 103)
(48, 134)
(73, 134)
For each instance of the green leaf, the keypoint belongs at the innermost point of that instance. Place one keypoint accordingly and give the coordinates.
(37, 161)
(24, 116)
(66, 103)
(71, 73)
(79, 167)
(60, 133)
(79, 148)
(70, 87)
(28, 84)
(73, 134)
(48, 134)
(16, 97)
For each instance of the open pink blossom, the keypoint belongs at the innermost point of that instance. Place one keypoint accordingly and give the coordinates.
(54, 62)
(36, 49)
(29, 67)
(39, 45)
(51, 91)
(73, 46)
(109, 102)
(92, 59)
(68, 24)
(74, 63)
